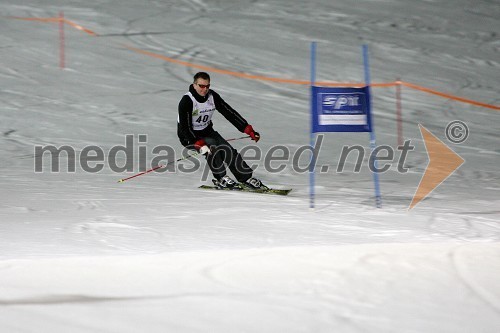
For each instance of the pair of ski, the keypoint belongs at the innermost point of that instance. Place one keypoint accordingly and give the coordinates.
(244, 188)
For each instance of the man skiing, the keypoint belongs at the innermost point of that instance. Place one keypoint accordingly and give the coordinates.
(195, 131)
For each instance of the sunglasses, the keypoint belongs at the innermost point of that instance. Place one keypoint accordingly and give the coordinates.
(203, 85)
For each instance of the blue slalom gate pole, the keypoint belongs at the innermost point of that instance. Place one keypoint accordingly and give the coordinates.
(378, 197)
(312, 136)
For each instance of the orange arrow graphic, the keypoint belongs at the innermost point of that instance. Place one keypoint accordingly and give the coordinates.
(442, 163)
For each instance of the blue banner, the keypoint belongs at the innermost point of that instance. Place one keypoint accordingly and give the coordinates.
(341, 109)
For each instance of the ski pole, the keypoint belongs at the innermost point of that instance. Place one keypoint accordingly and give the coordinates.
(243, 137)
(158, 167)
(177, 160)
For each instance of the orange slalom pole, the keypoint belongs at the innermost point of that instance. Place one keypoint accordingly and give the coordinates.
(399, 113)
(61, 41)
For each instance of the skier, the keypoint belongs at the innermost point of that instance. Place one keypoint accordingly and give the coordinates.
(195, 131)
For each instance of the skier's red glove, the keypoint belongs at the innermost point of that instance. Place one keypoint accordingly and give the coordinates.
(201, 147)
(200, 143)
(255, 136)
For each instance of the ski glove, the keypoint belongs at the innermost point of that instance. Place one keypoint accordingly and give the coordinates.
(202, 147)
(255, 136)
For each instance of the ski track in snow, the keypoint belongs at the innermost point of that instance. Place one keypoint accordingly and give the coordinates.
(265, 278)
(466, 275)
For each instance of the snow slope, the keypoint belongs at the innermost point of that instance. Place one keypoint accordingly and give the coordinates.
(80, 252)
